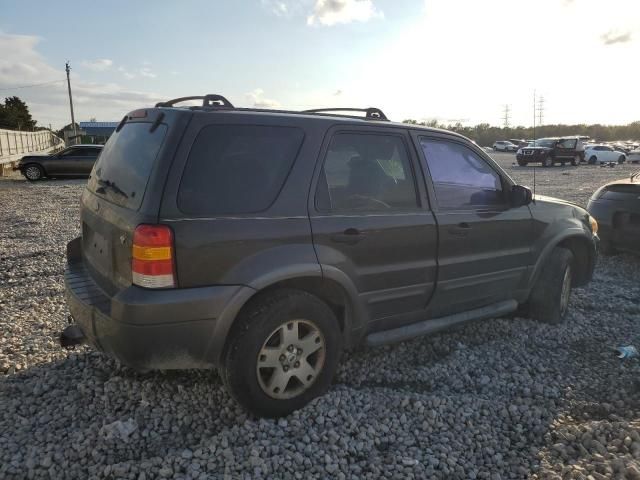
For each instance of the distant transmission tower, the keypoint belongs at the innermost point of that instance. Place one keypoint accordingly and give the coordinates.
(540, 110)
(506, 116)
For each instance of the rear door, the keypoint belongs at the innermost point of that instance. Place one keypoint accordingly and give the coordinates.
(483, 248)
(85, 160)
(370, 220)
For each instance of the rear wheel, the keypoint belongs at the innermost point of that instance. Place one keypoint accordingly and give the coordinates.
(548, 161)
(282, 353)
(575, 161)
(33, 172)
(621, 159)
(549, 299)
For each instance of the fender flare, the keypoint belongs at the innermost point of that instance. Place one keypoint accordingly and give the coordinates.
(354, 315)
(574, 232)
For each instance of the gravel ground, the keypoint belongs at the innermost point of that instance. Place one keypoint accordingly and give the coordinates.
(505, 398)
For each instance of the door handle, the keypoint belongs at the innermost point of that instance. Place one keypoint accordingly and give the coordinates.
(460, 230)
(350, 236)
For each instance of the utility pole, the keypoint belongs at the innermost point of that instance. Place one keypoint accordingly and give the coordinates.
(506, 116)
(540, 110)
(534, 115)
(73, 120)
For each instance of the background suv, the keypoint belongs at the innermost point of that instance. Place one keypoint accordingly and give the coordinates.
(265, 242)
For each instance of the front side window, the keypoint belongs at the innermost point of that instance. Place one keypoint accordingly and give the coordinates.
(365, 172)
(461, 179)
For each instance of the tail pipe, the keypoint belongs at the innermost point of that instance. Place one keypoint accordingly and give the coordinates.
(71, 337)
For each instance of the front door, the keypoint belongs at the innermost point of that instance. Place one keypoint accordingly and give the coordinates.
(483, 249)
(370, 221)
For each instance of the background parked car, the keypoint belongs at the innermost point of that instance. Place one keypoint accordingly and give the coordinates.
(504, 146)
(549, 151)
(603, 154)
(74, 161)
(616, 207)
(634, 155)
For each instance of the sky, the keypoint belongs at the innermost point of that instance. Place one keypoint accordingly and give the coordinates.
(449, 60)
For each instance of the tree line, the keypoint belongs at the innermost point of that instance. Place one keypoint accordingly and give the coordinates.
(15, 115)
(484, 134)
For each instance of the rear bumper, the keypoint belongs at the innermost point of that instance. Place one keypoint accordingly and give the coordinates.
(149, 329)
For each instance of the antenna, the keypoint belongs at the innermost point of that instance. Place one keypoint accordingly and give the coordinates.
(534, 116)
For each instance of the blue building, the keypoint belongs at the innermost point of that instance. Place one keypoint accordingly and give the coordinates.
(96, 132)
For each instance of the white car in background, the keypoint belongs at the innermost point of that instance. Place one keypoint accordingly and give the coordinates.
(504, 146)
(594, 154)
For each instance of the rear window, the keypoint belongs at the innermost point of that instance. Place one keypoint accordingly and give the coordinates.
(235, 169)
(121, 173)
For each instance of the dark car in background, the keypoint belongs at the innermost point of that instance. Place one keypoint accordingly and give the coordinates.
(74, 161)
(616, 207)
(549, 151)
(265, 242)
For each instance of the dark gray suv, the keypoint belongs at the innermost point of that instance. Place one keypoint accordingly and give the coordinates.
(264, 243)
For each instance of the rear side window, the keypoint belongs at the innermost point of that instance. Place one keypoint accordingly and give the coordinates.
(366, 172)
(236, 169)
(121, 173)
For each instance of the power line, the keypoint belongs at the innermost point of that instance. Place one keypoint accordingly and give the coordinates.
(29, 86)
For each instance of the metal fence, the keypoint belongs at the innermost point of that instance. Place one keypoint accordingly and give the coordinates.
(16, 143)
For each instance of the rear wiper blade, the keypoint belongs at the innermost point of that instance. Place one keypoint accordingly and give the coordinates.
(112, 185)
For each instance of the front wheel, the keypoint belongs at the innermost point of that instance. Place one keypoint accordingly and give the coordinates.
(547, 162)
(593, 160)
(549, 299)
(33, 172)
(621, 159)
(522, 163)
(282, 353)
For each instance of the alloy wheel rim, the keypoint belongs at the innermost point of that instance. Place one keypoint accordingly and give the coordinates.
(291, 359)
(32, 173)
(566, 291)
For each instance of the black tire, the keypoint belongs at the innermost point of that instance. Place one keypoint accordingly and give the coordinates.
(593, 160)
(547, 161)
(33, 172)
(621, 159)
(522, 163)
(255, 326)
(575, 161)
(546, 302)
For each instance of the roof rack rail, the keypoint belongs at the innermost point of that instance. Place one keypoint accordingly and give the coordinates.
(371, 112)
(211, 100)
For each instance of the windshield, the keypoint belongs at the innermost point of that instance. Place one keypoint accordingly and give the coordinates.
(544, 142)
(120, 175)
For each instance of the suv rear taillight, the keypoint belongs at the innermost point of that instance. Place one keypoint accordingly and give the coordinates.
(152, 259)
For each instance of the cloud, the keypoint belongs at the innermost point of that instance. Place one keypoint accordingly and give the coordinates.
(615, 36)
(332, 12)
(279, 8)
(99, 65)
(141, 72)
(256, 97)
(22, 64)
(146, 72)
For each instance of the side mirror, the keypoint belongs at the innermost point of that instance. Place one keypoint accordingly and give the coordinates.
(520, 196)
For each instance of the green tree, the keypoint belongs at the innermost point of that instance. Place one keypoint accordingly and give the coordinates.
(14, 115)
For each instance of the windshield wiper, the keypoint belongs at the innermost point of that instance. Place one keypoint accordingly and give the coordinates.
(112, 185)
